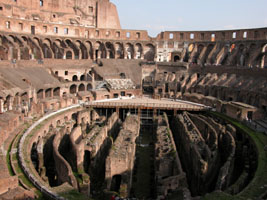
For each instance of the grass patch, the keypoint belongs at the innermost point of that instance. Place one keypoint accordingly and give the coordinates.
(17, 168)
(26, 181)
(74, 195)
(254, 189)
(8, 161)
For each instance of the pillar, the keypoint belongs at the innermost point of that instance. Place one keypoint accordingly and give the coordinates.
(175, 112)
(1, 105)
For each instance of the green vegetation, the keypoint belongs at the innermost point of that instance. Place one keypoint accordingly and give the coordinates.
(254, 189)
(8, 161)
(74, 195)
(26, 181)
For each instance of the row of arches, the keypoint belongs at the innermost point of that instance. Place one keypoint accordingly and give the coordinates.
(80, 88)
(236, 54)
(23, 101)
(26, 48)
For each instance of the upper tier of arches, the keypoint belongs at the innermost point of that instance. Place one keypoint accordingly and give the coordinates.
(28, 47)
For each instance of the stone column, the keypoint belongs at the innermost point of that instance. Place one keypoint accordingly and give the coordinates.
(1, 105)
(10, 103)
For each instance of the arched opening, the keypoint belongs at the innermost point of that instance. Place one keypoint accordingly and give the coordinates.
(34, 156)
(81, 88)
(89, 87)
(129, 51)
(75, 78)
(82, 78)
(110, 50)
(68, 55)
(116, 183)
(24, 98)
(74, 48)
(100, 51)
(46, 51)
(56, 91)
(207, 54)
(87, 161)
(8, 103)
(24, 53)
(122, 76)
(36, 52)
(73, 89)
(149, 52)
(119, 51)
(89, 47)
(58, 50)
(264, 57)
(176, 58)
(40, 94)
(83, 49)
(16, 101)
(138, 51)
(48, 93)
(240, 57)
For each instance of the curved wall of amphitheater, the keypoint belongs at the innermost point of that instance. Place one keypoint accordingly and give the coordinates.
(151, 116)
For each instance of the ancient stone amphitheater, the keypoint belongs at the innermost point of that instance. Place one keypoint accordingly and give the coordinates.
(89, 110)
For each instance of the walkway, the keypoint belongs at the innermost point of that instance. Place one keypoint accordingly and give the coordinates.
(146, 103)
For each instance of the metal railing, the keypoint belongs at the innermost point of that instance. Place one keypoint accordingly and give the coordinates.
(147, 105)
(22, 161)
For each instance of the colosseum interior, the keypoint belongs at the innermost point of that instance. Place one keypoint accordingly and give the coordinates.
(89, 110)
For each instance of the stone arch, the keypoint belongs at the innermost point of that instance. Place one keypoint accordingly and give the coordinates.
(10, 48)
(75, 78)
(40, 94)
(8, 103)
(89, 87)
(46, 48)
(264, 57)
(83, 49)
(129, 50)
(89, 47)
(4, 49)
(24, 98)
(207, 53)
(187, 52)
(20, 48)
(48, 93)
(73, 89)
(119, 50)
(74, 48)
(176, 58)
(149, 52)
(69, 55)
(138, 51)
(35, 48)
(56, 92)
(82, 78)
(81, 87)
(16, 102)
(100, 51)
(198, 53)
(253, 54)
(12, 39)
(110, 50)
(241, 55)
(57, 49)
(116, 183)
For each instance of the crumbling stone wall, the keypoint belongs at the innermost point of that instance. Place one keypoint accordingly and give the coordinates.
(63, 168)
(122, 154)
(169, 172)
